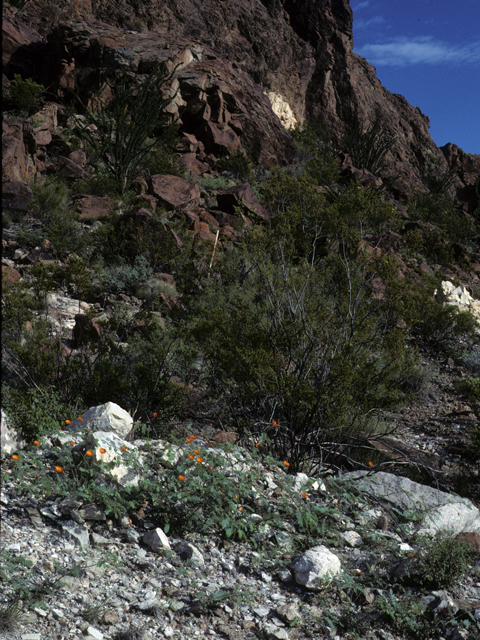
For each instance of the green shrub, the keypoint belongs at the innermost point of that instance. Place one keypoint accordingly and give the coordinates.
(164, 161)
(442, 563)
(469, 387)
(368, 148)
(239, 164)
(126, 278)
(51, 205)
(314, 155)
(130, 125)
(36, 412)
(25, 94)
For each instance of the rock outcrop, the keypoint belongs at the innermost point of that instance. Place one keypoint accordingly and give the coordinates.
(244, 69)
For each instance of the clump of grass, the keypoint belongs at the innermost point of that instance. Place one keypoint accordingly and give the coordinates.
(11, 615)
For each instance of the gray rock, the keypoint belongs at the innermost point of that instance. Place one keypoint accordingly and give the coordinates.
(316, 567)
(105, 417)
(156, 540)
(10, 439)
(442, 511)
(188, 551)
(76, 532)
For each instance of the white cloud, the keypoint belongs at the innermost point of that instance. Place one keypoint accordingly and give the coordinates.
(403, 51)
(360, 5)
(359, 23)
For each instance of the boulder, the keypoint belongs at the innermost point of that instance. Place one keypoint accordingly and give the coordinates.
(93, 207)
(173, 191)
(16, 195)
(10, 439)
(106, 417)
(156, 540)
(314, 568)
(441, 511)
(109, 448)
(229, 199)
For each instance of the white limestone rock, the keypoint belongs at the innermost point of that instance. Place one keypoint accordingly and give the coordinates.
(314, 568)
(156, 540)
(105, 417)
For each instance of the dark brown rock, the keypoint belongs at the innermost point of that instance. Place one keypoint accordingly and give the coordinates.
(173, 192)
(471, 540)
(78, 157)
(14, 157)
(230, 198)
(193, 165)
(16, 195)
(218, 138)
(94, 207)
(42, 135)
(70, 169)
(9, 275)
(86, 329)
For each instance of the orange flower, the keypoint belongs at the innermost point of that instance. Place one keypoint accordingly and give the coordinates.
(196, 451)
(16, 457)
(411, 555)
(358, 572)
(256, 444)
(36, 442)
(154, 415)
(199, 459)
(191, 457)
(193, 437)
(210, 468)
(304, 495)
(130, 521)
(72, 443)
(59, 469)
(80, 419)
(275, 423)
(188, 439)
(102, 450)
(182, 478)
(68, 422)
(124, 448)
(236, 496)
(286, 463)
(239, 508)
(89, 453)
(371, 464)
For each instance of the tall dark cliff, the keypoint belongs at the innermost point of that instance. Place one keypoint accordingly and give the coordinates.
(296, 52)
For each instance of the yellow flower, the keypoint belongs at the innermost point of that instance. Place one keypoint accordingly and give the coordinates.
(59, 469)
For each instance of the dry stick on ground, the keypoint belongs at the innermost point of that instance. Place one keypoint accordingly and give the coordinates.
(213, 252)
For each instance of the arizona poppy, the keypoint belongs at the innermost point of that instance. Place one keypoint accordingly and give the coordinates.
(102, 450)
(196, 451)
(182, 478)
(304, 495)
(72, 443)
(59, 469)
(68, 422)
(275, 423)
(16, 457)
(154, 415)
(370, 464)
(188, 439)
(80, 419)
(191, 457)
(124, 448)
(199, 459)
(89, 453)
(36, 442)
(286, 463)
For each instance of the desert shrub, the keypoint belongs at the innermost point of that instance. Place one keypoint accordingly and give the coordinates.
(368, 148)
(314, 156)
(442, 563)
(25, 95)
(97, 184)
(36, 412)
(299, 344)
(51, 205)
(164, 161)
(469, 387)
(126, 278)
(130, 125)
(239, 164)
(405, 613)
(439, 209)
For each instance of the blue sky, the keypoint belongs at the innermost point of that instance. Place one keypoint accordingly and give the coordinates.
(429, 52)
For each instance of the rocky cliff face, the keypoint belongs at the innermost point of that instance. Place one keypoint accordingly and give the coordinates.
(246, 67)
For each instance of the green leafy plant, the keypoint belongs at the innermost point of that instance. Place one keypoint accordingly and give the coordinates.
(130, 125)
(369, 147)
(25, 94)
